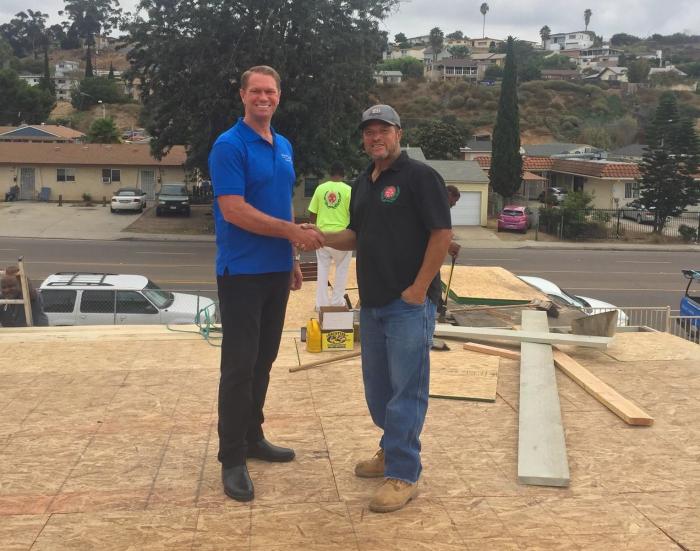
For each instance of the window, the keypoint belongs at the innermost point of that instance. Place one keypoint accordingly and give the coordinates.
(631, 190)
(111, 175)
(131, 302)
(65, 175)
(310, 185)
(97, 302)
(449, 70)
(57, 301)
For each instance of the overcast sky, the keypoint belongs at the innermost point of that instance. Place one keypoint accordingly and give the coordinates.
(520, 18)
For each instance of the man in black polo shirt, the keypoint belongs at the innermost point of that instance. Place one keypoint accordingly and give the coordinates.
(400, 226)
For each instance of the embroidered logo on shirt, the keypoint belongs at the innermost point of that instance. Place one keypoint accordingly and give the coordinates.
(332, 199)
(286, 157)
(390, 194)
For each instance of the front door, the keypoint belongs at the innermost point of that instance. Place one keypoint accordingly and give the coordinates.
(135, 309)
(148, 184)
(26, 184)
(96, 308)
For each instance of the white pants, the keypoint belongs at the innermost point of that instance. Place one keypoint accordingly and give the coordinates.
(324, 255)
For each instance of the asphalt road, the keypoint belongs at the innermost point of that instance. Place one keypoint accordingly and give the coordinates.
(623, 278)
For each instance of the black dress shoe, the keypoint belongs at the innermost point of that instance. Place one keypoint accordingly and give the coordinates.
(237, 483)
(269, 452)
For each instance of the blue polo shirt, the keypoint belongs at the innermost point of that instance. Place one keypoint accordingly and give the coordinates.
(242, 163)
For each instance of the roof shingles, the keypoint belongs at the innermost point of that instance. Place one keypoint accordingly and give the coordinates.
(75, 154)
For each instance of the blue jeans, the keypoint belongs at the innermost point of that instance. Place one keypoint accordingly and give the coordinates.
(396, 341)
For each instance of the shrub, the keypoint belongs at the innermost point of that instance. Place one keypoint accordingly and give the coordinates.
(471, 103)
(562, 86)
(688, 233)
(456, 102)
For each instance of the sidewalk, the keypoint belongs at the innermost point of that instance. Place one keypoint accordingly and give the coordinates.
(49, 221)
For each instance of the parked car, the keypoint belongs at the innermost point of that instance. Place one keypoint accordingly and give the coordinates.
(587, 305)
(81, 298)
(514, 217)
(690, 304)
(637, 211)
(128, 198)
(553, 195)
(173, 198)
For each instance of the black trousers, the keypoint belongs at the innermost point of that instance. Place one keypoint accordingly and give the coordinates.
(252, 311)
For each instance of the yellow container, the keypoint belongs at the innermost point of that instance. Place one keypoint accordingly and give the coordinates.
(313, 336)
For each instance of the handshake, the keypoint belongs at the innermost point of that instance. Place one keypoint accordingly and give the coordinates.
(307, 237)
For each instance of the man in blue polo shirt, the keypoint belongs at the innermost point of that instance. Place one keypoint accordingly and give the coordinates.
(252, 171)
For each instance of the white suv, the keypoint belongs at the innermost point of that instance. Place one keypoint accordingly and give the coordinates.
(72, 298)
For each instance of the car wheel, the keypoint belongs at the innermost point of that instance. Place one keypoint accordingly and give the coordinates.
(111, 210)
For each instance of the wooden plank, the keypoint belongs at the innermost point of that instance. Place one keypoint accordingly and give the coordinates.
(627, 410)
(542, 337)
(542, 456)
(460, 375)
(492, 350)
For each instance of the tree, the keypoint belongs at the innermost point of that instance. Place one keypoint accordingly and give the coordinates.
(186, 101)
(545, 33)
(438, 139)
(46, 82)
(638, 70)
(6, 54)
(410, 67)
(557, 61)
(493, 72)
(110, 76)
(103, 131)
(458, 52)
(436, 41)
(484, 9)
(90, 90)
(22, 103)
(666, 184)
(587, 17)
(506, 163)
(90, 17)
(457, 35)
(623, 39)
(400, 38)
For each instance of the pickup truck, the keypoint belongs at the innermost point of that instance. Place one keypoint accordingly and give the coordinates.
(690, 304)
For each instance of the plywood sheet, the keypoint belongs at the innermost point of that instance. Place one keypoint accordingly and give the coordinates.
(542, 337)
(463, 375)
(634, 347)
(489, 282)
(542, 458)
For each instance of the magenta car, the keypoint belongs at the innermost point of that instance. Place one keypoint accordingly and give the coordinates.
(513, 217)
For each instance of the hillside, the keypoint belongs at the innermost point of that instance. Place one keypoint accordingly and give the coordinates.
(549, 110)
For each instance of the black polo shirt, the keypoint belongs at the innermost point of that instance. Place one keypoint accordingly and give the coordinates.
(393, 218)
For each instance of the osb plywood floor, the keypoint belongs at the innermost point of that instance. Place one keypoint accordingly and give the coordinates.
(111, 444)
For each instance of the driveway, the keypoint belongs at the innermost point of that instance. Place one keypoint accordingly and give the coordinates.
(71, 221)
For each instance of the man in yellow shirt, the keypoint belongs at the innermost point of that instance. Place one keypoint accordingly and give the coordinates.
(330, 211)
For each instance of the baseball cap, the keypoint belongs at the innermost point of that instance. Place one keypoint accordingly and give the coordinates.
(381, 112)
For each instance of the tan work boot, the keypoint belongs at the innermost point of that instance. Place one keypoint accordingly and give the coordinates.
(392, 495)
(371, 468)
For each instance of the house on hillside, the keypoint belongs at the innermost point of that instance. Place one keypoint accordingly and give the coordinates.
(394, 52)
(556, 148)
(455, 69)
(40, 133)
(667, 70)
(598, 58)
(535, 174)
(489, 59)
(484, 44)
(559, 74)
(610, 74)
(579, 40)
(71, 169)
(388, 77)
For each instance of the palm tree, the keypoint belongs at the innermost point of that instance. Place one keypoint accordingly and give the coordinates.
(587, 17)
(545, 33)
(484, 9)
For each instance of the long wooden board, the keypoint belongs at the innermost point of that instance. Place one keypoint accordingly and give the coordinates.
(542, 337)
(626, 410)
(542, 456)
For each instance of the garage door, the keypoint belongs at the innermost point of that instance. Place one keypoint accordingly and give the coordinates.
(467, 211)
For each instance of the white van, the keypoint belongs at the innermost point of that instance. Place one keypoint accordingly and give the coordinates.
(73, 298)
